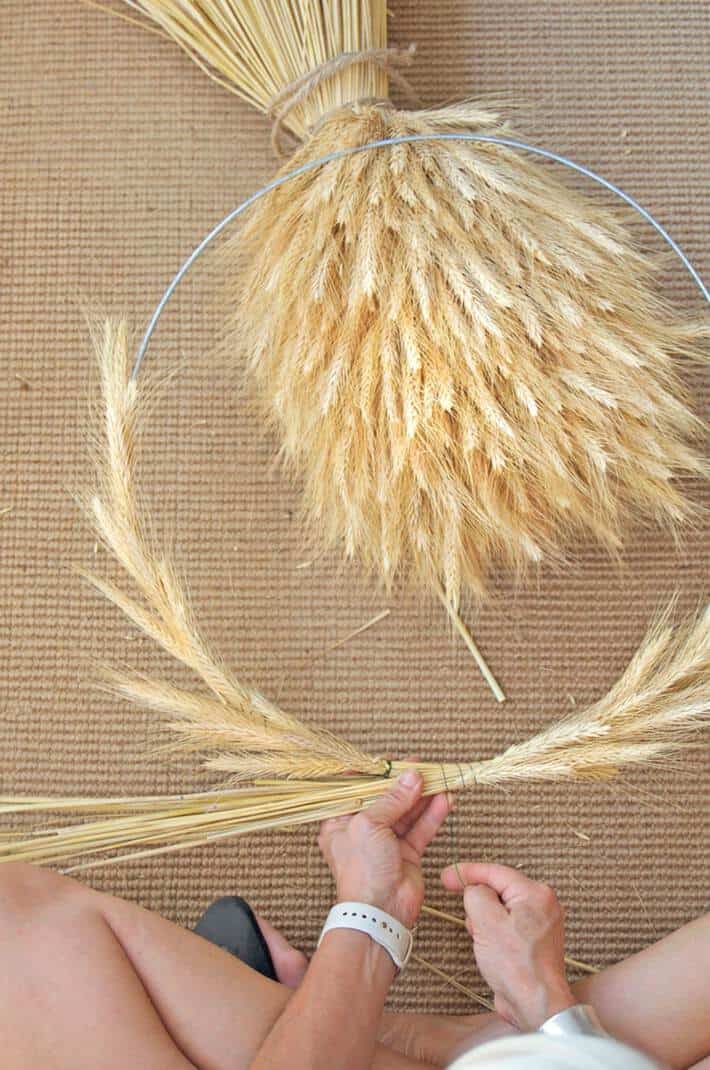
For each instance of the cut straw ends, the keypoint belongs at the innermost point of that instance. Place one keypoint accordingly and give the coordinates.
(259, 49)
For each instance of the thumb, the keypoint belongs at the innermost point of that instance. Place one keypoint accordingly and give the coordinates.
(405, 794)
(330, 826)
(484, 909)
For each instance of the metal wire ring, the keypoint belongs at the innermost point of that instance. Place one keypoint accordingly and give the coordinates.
(404, 139)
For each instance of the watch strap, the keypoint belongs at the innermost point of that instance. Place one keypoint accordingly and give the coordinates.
(378, 925)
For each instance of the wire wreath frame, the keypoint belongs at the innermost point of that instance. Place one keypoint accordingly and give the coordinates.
(339, 154)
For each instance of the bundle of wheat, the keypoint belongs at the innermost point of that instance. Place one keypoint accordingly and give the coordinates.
(467, 361)
(301, 773)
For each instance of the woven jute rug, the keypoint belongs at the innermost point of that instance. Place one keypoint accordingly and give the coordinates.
(118, 155)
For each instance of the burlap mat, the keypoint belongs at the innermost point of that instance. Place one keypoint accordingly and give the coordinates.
(118, 156)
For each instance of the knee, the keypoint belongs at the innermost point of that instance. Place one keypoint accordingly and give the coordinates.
(28, 892)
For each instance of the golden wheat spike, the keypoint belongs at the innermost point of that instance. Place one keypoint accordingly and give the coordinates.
(305, 774)
(656, 709)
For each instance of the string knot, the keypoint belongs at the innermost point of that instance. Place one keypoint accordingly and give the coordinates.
(390, 60)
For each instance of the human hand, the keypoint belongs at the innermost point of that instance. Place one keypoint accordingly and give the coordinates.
(375, 856)
(517, 926)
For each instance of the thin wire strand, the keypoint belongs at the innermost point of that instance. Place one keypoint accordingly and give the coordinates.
(404, 139)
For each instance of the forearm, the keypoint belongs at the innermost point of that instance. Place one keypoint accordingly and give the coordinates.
(332, 1021)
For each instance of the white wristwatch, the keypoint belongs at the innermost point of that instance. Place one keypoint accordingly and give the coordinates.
(379, 926)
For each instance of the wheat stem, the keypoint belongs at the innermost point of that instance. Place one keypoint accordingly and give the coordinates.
(461, 924)
(470, 642)
(453, 982)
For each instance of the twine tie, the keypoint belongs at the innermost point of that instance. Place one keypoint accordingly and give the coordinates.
(390, 60)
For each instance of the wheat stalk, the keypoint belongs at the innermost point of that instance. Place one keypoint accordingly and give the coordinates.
(236, 716)
(255, 49)
(303, 774)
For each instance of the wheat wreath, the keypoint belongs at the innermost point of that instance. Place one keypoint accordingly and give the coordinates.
(468, 365)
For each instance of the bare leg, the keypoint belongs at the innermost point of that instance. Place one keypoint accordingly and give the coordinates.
(440, 1038)
(290, 965)
(89, 980)
(659, 999)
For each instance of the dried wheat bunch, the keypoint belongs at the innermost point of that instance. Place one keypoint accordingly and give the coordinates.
(467, 362)
(464, 359)
(301, 773)
(237, 717)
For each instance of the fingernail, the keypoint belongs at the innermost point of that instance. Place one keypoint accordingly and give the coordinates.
(410, 779)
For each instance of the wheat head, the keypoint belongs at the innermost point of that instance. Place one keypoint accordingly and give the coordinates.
(231, 716)
(657, 705)
(656, 708)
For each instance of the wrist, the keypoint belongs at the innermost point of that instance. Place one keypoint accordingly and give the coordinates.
(376, 924)
(348, 894)
(542, 1002)
(364, 956)
(580, 1019)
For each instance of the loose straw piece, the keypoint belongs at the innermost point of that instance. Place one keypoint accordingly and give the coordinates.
(358, 631)
(472, 646)
(583, 966)
(453, 982)
(311, 658)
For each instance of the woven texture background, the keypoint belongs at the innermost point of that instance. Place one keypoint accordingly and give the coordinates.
(117, 156)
